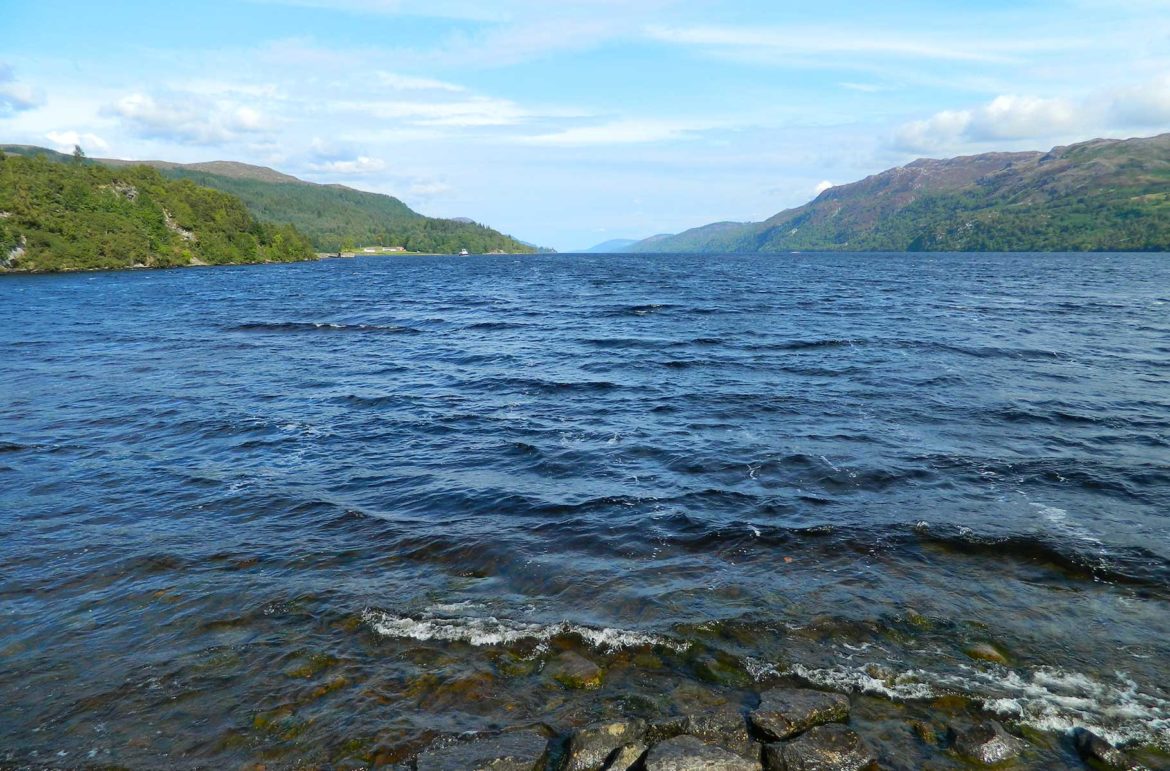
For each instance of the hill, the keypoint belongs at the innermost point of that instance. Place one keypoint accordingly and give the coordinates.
(78, 215)
(1100, 195)
(336, 217)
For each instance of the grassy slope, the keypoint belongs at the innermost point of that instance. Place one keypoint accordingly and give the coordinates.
(75, 216)
(1093, 196)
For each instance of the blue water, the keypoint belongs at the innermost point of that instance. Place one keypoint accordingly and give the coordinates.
(329, 510)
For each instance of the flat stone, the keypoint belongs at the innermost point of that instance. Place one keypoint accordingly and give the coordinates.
(1092, 747)
(590, 747)
(724, 726)
(831, 747)
(625, 757)
(987, 743)
(518, 751)
(786, 712)
(688, 753)
(575, 671)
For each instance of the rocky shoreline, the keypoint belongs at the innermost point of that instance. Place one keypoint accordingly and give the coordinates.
(790, 728)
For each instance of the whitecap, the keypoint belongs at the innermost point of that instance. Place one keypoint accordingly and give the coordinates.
(489, 630)
(1046, 698)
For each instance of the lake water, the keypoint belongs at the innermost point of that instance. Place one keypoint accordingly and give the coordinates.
(328, 511)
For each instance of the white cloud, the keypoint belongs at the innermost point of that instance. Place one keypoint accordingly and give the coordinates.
(188, 118)
(1120, 108)
(362, 164)
(1003, 118)
(822, 187)
(408, 83)
(819, 41)
(1143, 106)
(65, 141)
(473, 111)
(619, 132)
(16, 96)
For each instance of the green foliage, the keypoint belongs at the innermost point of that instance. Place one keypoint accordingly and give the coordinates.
(84, 216)
(338, 218)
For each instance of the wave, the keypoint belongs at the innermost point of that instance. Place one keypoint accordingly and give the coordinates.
(1046, 698)
(491, 631)
(492, 326)
(315, 326)
(641, 310)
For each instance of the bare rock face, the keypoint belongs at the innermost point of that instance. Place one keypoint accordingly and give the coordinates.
(1092, 748)
(986, 743)
(831, 747)
(519, 751)
(688, 753)
(591, 747)
(786, 712)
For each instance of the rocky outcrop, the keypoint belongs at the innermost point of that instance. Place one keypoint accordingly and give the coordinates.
(573, 670)
(519, 751)
(786, 712)
(829, 747)
(688, 753)
(177, 229)
(591, 747)
(985, 743)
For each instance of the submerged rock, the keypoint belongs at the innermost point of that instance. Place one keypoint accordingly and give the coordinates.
(785, 712)
(984, 651)
(986, 743)
(519, 751)
(575, 671)
(1092, 748)
(590, 747)
(687, 753)
(831, 747)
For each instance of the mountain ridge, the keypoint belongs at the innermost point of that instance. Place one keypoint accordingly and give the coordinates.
(1097, 195)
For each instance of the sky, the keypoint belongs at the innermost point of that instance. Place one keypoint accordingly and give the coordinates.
(570, 122)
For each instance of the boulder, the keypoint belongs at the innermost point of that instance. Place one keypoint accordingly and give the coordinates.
(625, 757)
(590, 747)
(831, 747)
(519, 751)
(985, 743)
(687, 753)
(1092, 748)
(724, 726)
(573, 670)
(786, 712)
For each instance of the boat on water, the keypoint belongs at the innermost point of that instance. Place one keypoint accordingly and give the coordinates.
(462, 252)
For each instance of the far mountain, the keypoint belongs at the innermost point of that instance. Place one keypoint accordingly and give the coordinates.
(1100, 195)
(613, 246)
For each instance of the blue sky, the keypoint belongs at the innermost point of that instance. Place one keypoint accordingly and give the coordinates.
(569, 123)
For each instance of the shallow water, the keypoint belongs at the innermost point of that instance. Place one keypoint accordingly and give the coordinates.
(325, 512)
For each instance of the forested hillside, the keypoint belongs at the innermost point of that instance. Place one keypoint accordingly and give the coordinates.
(78, 215)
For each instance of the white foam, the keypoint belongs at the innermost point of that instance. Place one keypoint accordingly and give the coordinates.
(489, 630)
(1046, 698)
(910, 685)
